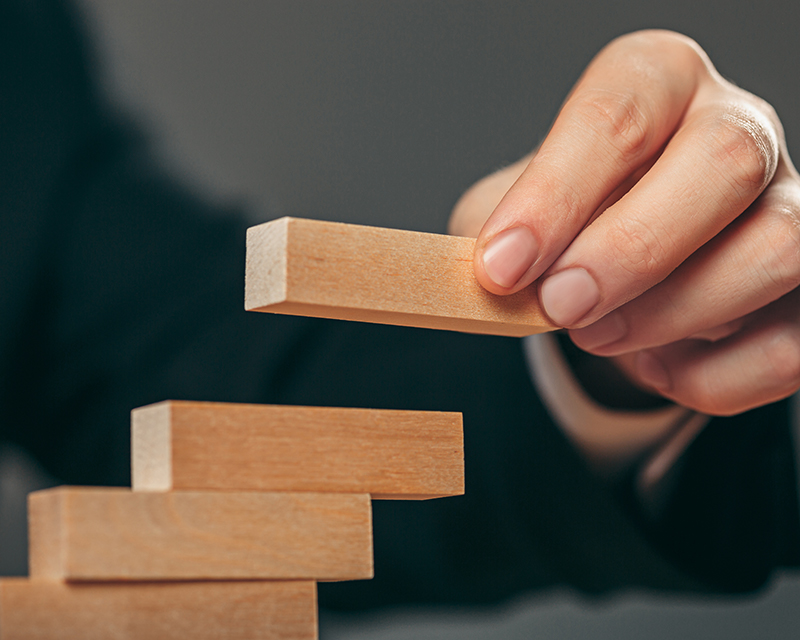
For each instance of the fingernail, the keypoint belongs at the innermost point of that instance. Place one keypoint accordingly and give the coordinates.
(509, 255)
(569, 295)
(605, 331)
(652, 371)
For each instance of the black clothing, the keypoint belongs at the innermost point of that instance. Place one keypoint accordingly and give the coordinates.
(118, 288)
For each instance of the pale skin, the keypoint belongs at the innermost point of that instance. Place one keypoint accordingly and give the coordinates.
(660, 221)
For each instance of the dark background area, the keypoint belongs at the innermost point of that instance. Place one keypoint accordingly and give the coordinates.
(384, 113)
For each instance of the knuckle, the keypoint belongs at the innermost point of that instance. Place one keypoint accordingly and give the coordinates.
(713, 395)
(704, 397)
(566, 197)
(673, 41)
(637, 248)
(782, 357)
(618, 118)
(744, 150)
(783, 254)
(767, 111)
(769, 370)
(707, 393)
(709, 404)
(662, 44)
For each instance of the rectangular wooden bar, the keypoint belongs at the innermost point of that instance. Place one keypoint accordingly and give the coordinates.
(255, 610)
(240, 447)
(102, 534)
(387, 276)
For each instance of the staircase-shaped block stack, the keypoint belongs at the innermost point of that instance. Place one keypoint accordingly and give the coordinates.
(236, 512)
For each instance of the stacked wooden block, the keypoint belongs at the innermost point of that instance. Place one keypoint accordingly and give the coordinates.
(235, 513)
(387, 276)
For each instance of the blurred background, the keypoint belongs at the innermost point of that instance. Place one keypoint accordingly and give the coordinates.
(384, 113)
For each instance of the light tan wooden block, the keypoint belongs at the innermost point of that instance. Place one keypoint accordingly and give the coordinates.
(116, 534)
(256, 610)
(388, 276)
(218, 446)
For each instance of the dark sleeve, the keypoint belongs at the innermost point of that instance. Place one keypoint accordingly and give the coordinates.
(534, 515)
(120, 288)
(732, 516)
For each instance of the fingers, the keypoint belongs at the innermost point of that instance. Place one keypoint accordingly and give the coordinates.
(713, 149)
(618, 118)
(753, 262)
(706, 177)
(663, 214)
(476, 205)
(754, 366)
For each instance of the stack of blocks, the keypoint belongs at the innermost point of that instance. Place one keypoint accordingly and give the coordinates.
(237, 511)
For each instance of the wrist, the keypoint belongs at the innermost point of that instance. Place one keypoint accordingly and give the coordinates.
(611, 439)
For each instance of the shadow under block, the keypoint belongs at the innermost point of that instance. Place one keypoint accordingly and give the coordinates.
(387, 276)
(239, 447)
(255, 610)
(103, 534)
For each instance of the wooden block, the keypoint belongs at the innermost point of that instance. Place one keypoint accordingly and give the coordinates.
(388, 276)
(115, 534)
(254, 610)
(240, 447)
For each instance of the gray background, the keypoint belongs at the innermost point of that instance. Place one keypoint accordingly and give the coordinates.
(383, 113)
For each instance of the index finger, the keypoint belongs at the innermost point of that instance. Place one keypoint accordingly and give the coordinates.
(619, 115)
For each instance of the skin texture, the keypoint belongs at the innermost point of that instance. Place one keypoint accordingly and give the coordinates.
(660, 221)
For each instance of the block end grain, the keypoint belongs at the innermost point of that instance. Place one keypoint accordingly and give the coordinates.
(265, 269)
(45, 532)
(151, 447)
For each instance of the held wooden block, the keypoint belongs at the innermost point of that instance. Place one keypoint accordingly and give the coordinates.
(388, 276)
(102, 534)
(240, 447)
(255, 610)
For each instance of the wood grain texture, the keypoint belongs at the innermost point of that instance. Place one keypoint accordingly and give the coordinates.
(241, 447)
(103, 534)
(388, 276)
(255, 610)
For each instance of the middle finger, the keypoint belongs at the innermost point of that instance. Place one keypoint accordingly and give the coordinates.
(711, 171)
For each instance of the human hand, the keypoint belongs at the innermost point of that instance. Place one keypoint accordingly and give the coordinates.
(662, 216)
